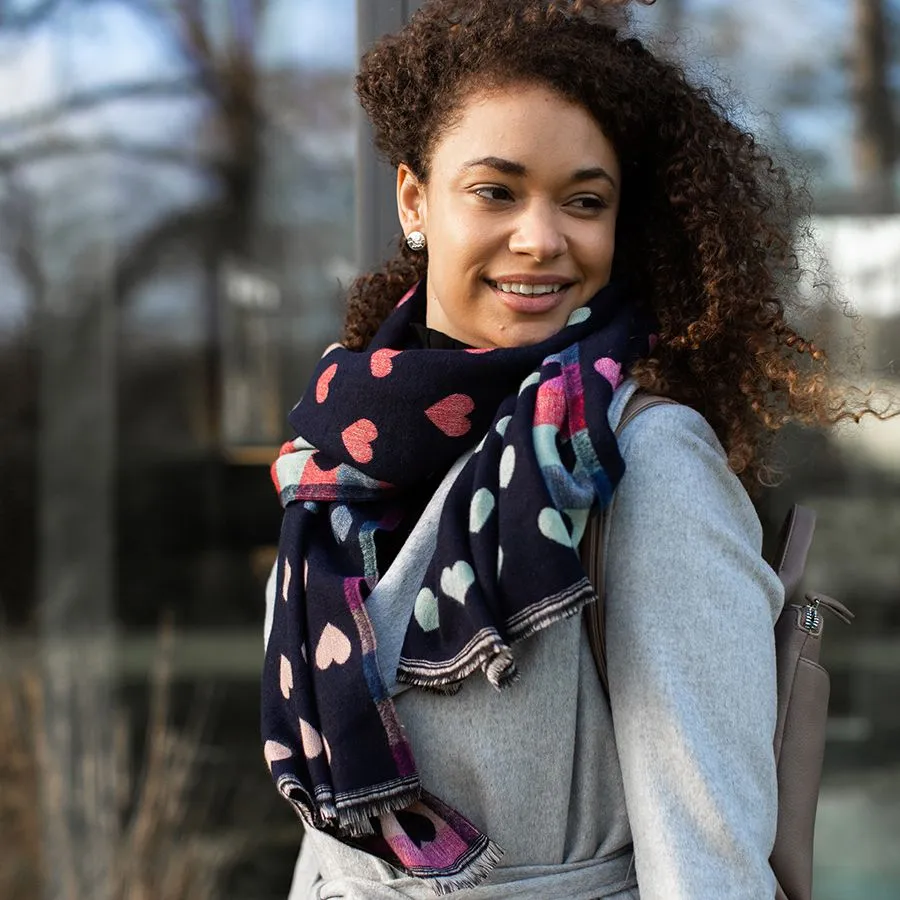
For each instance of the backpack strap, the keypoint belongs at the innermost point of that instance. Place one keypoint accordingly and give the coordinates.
(793, 546)
(592, 544)
(790, 559)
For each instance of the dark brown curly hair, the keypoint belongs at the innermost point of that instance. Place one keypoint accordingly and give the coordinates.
(705, 234)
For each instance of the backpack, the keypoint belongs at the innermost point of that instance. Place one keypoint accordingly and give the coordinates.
(803, 685)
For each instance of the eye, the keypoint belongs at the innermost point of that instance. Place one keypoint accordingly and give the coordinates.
(495, 189)
(590, 203)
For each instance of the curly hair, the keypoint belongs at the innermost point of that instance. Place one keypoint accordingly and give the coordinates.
(705, 233)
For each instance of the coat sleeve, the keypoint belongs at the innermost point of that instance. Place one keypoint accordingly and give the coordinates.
(690, 608)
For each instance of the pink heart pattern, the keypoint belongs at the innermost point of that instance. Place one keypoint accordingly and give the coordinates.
(275, 752)
(333, 647)
(287, 677)
(610, 370)
(450, 414)
(381, 362)
(358, 439)
(311, 740)
(324, 383)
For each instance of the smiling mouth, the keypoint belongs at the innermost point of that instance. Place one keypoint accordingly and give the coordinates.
(530, 299)
(529, 290)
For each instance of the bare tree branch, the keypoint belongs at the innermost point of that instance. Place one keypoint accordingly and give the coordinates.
(43, 150)
(143, 256)
(99, 96)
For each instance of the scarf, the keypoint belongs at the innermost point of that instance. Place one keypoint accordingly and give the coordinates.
(377, 431)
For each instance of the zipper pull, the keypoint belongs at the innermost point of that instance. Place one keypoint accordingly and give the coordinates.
(808, 617)
(815, 600)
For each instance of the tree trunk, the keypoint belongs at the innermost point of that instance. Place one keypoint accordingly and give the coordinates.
(876, 147)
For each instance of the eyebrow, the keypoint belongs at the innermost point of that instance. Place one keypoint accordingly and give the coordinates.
(508, 167)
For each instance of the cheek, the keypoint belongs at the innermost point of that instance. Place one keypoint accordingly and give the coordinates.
(604, 248)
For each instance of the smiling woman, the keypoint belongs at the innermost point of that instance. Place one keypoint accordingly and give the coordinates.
(523, 233)
(580, 223)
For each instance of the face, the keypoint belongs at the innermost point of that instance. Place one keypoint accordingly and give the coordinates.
(519, 213)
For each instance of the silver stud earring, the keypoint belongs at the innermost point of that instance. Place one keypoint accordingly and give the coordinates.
(415, 240)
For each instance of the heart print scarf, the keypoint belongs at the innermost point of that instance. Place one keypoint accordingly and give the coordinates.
(377, 431)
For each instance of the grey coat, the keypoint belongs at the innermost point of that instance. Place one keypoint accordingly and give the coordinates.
(672, 785)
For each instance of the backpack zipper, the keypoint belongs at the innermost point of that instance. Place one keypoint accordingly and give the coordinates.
(811, 621)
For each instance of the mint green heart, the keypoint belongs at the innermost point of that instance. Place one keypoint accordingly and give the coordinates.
(552, 526)
(426, 611)
(582, 314)
(507, 465)
(456, 581)
(480, 508)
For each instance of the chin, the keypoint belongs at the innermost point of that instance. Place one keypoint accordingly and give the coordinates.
(524, 334)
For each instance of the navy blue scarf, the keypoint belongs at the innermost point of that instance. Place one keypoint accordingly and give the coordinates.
(377, 431)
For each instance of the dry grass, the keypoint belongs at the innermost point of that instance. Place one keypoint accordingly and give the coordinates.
(160, 840)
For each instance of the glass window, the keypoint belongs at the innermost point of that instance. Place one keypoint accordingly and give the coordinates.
(177, 192)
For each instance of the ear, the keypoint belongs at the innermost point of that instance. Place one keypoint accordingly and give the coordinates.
(412, 207)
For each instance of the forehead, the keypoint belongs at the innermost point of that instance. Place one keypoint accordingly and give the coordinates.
(530, 124)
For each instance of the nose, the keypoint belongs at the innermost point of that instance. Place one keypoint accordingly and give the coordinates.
(537, 233)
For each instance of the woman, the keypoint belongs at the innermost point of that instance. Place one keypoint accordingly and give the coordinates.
(580, 222)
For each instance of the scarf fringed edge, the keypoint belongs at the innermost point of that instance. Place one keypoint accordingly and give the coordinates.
(485, 651)
(352, 817)
(489, 652)
(470, 870)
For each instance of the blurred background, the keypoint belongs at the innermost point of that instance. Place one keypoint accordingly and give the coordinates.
(185, 193)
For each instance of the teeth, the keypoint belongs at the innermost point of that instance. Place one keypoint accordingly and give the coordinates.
(529, 289)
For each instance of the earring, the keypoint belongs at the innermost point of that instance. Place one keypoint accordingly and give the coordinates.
(415, 240)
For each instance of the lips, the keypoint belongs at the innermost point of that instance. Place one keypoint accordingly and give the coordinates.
(533, 304)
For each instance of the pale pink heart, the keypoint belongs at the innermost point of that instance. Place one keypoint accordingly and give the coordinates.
(610, 370)
(287, 581)
(333, 647)
(312, 740)
(324, 383)
(381, 362)
(287, 677)
(479, 349)
(450, 414)
(358, 439)
(275, 752)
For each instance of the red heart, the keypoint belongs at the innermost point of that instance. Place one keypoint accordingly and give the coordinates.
(450, 414)
(324, 383)
(381, 364)
(358, 439)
